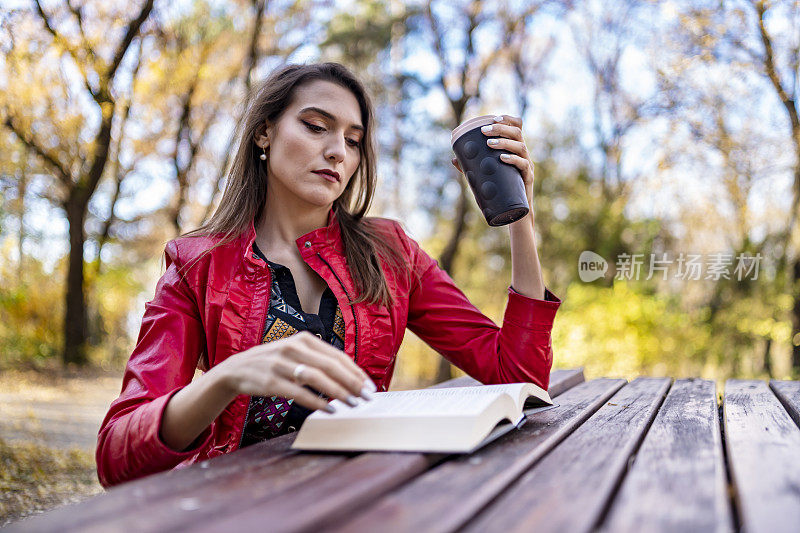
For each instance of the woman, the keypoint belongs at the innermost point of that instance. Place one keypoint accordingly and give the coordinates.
(289, 290)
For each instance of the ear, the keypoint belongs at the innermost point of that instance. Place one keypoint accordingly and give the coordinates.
(263, 135)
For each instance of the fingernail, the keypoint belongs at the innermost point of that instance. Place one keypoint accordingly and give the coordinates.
(330, 409)
(370, 386)
(487, 129)
(493, 141)
(366, 394)
(504, 156)
(498, 118)
(351, 401)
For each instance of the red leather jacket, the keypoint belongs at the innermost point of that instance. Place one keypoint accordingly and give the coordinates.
(208, 309)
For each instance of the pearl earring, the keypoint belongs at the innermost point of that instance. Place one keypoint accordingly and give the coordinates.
(263, 156)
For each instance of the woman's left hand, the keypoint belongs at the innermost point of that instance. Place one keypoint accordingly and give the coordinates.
(526, 272)
(506, 133)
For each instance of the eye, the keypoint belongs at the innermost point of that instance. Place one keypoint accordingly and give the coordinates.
(313, 127)
(317, 129)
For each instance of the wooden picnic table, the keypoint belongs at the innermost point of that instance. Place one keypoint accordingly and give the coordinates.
(650, 455)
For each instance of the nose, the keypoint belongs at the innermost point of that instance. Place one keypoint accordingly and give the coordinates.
(336, 149)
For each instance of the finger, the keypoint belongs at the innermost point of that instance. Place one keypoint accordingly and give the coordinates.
(502, 130)
(521, 163)
(515, 147)
(456, 164)
(303, 396)
(315, 345)
(333, 362)
(319, 380)
(508, 119)
(343, 358)
(279, 382)
(333, 370)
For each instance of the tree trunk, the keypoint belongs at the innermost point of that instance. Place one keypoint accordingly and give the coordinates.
(22, 189)
(75, 318)
(767, 365)
(795, 288)
(447, 259)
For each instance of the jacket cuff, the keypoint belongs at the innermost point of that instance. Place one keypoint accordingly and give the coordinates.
(526, 312)
(154, 446)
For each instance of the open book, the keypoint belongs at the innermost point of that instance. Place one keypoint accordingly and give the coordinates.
(447, 420)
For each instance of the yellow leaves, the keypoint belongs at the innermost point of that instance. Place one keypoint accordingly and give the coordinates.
(619, 331)
(784, 301)
(30, 313)
(782, 331)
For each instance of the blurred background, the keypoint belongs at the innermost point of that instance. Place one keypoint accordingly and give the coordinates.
(661, 130)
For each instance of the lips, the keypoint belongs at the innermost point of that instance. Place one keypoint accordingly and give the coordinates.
(330, 174)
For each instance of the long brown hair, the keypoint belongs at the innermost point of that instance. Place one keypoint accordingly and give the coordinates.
(246, 189)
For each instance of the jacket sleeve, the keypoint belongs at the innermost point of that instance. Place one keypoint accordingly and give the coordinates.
(441, 315)
(171, 340)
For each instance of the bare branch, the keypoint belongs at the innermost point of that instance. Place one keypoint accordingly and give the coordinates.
(438, 40)
(132, 31)
(102, 239)
(473, 23)
(76, 12)
(252, 49)
(49, 158)
(249, 63)
(119, 173)
(772, 73)
(58, 38)
(126, 108)
(88, 182)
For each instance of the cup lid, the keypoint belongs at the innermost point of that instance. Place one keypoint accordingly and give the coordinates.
(470, 124)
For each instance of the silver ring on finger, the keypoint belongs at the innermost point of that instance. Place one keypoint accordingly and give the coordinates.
(298, 372)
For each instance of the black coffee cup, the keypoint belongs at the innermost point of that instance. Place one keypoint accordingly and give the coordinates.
(498, 186)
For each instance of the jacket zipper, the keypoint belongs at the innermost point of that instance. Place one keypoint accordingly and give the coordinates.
(263, 320)
(349, 301)
(355, 319)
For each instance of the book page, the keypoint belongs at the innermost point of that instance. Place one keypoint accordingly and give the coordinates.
(456, 401)
(510, 388)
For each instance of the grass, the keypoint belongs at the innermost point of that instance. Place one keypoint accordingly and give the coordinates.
(40, 469)
(35, 478)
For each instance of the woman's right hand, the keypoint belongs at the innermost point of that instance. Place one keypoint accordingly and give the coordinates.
(268, 369)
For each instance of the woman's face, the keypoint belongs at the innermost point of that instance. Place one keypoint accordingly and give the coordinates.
(320, 131)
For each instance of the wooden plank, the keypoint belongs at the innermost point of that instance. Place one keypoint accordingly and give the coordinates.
(446, 497)
(569, 489)
(330, 496)
(763, 445)
(788, 392)
(172, 492)
(130, 498)
(677, 481)
(463, 381)
(223, 497)
(561, 379)
(343, 490)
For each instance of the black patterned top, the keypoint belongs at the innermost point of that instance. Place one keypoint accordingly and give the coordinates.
(271, 416)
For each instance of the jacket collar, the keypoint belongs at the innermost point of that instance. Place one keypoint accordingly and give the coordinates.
(310, 242)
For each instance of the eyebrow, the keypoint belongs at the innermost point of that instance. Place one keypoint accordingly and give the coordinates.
(330, 116)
